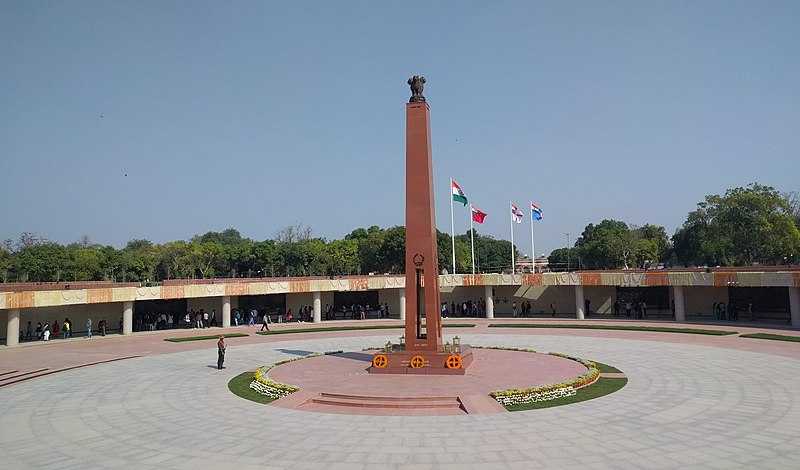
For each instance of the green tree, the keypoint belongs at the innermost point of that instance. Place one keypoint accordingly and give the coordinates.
(41, 262)
(754, 224)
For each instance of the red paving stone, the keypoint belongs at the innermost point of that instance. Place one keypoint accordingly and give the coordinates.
(491, 370)
(342, 384)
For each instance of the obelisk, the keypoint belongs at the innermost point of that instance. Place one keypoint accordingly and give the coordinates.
(422, 351)
(423, 326)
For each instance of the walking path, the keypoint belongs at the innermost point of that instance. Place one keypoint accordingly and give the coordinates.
(691, 402)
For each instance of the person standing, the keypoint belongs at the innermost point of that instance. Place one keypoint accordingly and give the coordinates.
(67, 328)
(213, 317)
(88, 328)
(552, 310)
(220, 351)
(205, 319)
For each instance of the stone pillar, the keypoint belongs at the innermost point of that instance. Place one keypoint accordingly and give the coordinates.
(127, 318)
(12, 332)
(402, 304)
(487, 294)
(317, 307)
(794, 306)
(680, 303)
(580, 305)
(226, 312)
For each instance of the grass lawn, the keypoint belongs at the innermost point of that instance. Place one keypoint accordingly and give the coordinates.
(240, 386)
(605, 368)
(659, 329)
(602, 387)
(795, 339)
(200, 338)
(346, 328)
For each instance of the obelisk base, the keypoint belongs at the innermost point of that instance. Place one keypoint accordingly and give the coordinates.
(431, 362)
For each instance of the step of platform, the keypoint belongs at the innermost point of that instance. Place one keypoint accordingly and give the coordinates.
(390, 405)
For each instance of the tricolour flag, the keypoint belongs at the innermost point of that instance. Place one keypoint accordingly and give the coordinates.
(478, 215)
(516, 214)
(458, 193)
(536, 211)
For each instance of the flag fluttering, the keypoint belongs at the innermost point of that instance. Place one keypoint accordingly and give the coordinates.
(458, 193)
(478, 215)
(516, 214)
(536, 211)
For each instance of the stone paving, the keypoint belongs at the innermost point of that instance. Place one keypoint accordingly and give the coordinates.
(685, 406)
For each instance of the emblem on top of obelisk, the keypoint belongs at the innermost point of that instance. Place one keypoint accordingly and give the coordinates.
(417, 83)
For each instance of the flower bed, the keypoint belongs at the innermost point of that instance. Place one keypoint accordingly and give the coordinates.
(517, 396)
(265, 386)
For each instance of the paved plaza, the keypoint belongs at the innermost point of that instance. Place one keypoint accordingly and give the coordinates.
(686, 405)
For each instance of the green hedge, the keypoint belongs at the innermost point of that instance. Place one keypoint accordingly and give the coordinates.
(659, 329)
(794, 339)
(350, 328)
(201, 338)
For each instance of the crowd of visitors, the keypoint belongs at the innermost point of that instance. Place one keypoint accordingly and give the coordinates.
(45, 331)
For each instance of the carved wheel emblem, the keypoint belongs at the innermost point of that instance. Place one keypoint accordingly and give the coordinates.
(418, 259)
(417, 362)
(454, 361)
(380, 361)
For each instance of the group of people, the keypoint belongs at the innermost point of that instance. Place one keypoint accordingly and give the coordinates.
(730, 311)
(637, 309)
(357, 311)
(468, 308)
(152, 321)
(44, 331)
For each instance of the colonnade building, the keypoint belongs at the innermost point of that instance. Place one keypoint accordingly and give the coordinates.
(757, 296)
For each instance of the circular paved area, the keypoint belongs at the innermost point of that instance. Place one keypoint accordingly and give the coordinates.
(490, 370)
(685, 406)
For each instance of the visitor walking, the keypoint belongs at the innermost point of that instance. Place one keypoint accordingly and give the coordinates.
(88, 328)
(264, 322)
(220, 351)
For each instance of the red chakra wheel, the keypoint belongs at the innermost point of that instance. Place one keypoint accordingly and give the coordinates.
(380, 361)
(417, 362)
(454, 361)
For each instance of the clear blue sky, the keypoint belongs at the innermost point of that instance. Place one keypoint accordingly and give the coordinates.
(258, 115)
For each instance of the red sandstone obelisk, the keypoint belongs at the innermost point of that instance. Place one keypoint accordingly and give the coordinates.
(423, 326)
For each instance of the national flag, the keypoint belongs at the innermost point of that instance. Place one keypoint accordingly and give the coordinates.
(477, 214)
(458, 193)
(536, 211)
(516, 214)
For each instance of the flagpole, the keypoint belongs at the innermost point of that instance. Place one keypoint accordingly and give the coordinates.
(452, 225)
(513, 268)
(533, 245)
(472, 238)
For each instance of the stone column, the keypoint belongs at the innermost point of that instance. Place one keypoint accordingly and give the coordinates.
(127, 318)
(12, 332)
(317, 307)
(680, 303)
(580, 305)
(402, 304)
(794, 306)
(226, 312)
(487, 294)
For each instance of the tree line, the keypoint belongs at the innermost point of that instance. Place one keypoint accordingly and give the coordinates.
(293, 251)
(746, 225)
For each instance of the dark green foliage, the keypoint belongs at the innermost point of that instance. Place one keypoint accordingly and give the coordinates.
(579, 326)
(184, 339)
